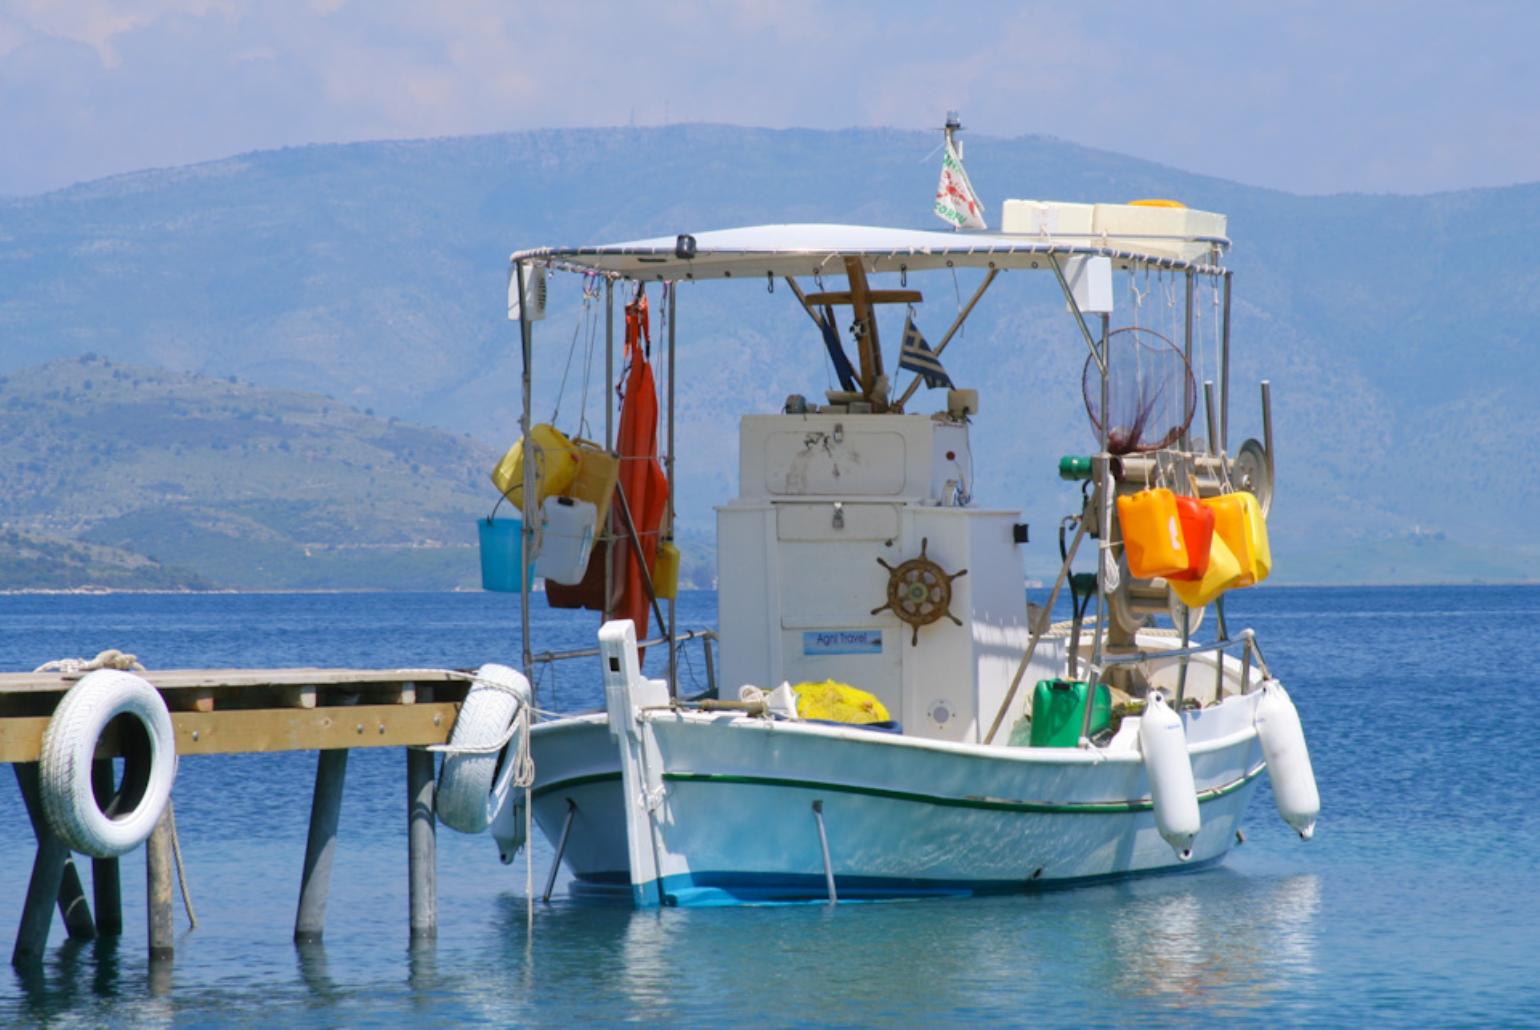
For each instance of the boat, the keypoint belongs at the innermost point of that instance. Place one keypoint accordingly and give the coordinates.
(1014, 753)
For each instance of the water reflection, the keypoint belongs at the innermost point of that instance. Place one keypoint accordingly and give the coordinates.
(1246, 944)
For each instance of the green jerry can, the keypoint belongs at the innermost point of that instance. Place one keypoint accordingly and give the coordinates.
(1058, 709)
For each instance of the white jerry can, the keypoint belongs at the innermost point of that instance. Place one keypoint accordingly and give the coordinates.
(567, 538)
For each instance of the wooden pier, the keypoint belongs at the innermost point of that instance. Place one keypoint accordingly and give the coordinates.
(236, 711)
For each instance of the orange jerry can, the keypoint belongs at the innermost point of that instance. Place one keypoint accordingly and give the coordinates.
(1197, 524)
(1239, 523)
(1152, 533)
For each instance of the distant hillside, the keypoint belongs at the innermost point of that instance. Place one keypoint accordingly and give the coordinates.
(134, 477)
(1398, 331)
(33, 562)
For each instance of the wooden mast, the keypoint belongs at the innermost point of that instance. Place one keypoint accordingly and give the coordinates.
(863, 301)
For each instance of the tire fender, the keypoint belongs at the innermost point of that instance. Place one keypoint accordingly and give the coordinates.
(69, 748)
(472, 787)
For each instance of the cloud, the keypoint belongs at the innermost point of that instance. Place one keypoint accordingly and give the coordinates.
(1313, 96)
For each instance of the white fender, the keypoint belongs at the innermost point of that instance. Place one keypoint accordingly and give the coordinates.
(507, 827)
(472, 785)
(149, 764)
(1166, 763)
(1288, 759)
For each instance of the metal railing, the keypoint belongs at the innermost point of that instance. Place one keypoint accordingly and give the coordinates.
(1245, 641)
(705, 636)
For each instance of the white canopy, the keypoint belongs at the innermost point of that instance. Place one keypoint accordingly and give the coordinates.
(800, 250)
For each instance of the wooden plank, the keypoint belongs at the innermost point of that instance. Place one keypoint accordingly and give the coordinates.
(21, 738)
(872, 297)
(242, 731)
(311, 729)
(228, 679)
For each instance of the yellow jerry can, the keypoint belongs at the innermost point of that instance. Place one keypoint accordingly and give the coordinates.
(1223, 572)
(1238, 521)
(665, 571)
(556, 464)
(598, 471)
(1152, 533)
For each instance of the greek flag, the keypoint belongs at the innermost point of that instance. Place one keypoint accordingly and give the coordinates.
(915, 355)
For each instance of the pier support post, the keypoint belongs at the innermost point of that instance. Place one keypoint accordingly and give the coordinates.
(421, 844)
(106, 884)
(157, 895)
(47, 878)
(321, 844)
(54, 880)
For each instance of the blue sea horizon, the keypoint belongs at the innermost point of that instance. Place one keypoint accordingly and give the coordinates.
(1418, 902)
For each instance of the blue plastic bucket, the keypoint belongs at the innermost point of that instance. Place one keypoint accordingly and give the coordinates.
(502, 547)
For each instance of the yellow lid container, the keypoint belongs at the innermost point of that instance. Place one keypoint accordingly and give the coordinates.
(1152, 533)
(556, 464)
(1223, 573)
(665, 571)
(1238, 521)
(598, 471)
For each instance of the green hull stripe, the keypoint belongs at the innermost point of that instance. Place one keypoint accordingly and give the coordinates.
(576, 781)
(989, 804)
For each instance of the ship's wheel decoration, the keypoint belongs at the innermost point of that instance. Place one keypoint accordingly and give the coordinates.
(919, 591)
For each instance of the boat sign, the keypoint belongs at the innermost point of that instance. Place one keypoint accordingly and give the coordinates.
(842, 641)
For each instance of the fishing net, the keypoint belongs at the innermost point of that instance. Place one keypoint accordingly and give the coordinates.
(1151, 394)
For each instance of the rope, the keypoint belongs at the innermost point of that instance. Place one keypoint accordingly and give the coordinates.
(111, 658)
(181, 869)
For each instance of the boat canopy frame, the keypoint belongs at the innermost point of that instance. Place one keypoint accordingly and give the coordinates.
(815, 250)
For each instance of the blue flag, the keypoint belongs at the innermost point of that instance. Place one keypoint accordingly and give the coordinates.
(916, 356)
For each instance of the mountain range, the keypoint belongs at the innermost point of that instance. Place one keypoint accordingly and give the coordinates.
(1396, 332)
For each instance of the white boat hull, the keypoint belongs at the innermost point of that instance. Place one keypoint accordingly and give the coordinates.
(734, 820)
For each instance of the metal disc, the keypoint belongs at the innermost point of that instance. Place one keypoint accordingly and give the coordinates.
(1253, 472)
(1174, 610)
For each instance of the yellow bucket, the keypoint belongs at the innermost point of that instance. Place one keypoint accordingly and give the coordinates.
(556, 464)
(1223, 573)
(1152, 534)
(1239, 523)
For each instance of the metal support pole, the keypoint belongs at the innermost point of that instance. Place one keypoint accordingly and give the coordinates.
(1181, 673)
(606, 534)
(1188, 399)
(561, 849)
(962, 316)
(421, 844)
(823, 844)
(1224, 374)
(530, 508)
(157, 898)
(673, 601)
(43, 888)
(1044, 620)
(711, 670)
(1208, 406)
(106, 877)
(1103, 466)
(1267, 427)
(320, 845)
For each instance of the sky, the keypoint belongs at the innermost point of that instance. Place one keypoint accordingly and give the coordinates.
(1309, 97)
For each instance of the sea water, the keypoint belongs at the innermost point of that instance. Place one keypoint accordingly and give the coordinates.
(1417, 903)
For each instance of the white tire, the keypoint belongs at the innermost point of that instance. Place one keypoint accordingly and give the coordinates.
(468, 784)
(149, 765)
